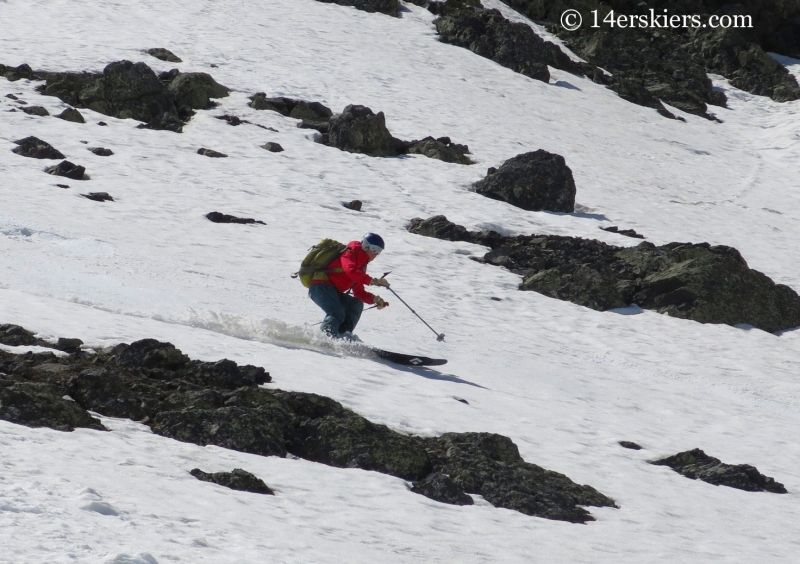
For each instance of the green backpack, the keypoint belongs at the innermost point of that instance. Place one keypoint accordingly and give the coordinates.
(318, 258)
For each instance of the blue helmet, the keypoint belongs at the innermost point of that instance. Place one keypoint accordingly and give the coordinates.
(373, 240)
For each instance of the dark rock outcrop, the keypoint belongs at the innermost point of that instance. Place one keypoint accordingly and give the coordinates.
(218, 217)
(238, 479)
(696, 464)
(388, 7)
(222, 404)
(690, 281)
(359, 130)
(513, 45)
(40, 111)
(35, 148)
(211, 153)
(630, 445)
(68, 170)
(101, 152)
(98, 196)
(272, 147)
(195, 90)
(36, 404)
(71, 114)
(442, 149)
(354, 205)
(533, 181)
(21, 72)
(627, 232)
(164, 55)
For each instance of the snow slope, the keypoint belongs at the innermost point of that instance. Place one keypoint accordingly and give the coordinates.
(564, 382)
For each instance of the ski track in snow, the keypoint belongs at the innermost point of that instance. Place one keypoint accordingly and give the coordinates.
(564, 382)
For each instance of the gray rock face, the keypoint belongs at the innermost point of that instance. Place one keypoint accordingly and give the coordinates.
(195, 89)
(690, 281)
(511, 44)
(388, 7)
(696, 464)
(71, 114)
(533, 181)
(238, 479)
(68, 170)
(359, 130)
(35, 148)
(41, 405)
(164, 55)
(222, 404)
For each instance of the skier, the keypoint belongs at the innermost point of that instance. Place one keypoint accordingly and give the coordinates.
(348, 271)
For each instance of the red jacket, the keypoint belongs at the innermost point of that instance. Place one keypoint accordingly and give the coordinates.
(353, 262)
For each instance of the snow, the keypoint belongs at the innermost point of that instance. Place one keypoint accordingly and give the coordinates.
(564, 382)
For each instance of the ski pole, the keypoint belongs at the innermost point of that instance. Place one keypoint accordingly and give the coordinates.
(439, 336)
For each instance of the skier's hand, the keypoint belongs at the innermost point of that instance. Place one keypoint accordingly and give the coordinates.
(380, 282)
(379, 301)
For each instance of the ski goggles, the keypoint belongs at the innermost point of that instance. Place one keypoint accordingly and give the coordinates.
(375, 249)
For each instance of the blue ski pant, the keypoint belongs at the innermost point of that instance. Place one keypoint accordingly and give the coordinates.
(343, 311)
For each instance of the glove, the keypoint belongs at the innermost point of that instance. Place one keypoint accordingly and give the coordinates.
(380, 282)
(379, 301)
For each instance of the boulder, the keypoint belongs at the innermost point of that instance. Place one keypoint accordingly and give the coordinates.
(630, 445)
(359, 130)
(36, 111)
(272, 147)
(696, 464)
(164, 55)
(533, 181)
(68, 170)
(238, 479)
(211, 153)
(15, 336)
(71, 114)
(35, 148)
(441, 149)
(101, 152)
(218, 217)
(388, 7)
(21, 72)
(704, 283)
(354, 205)
(98, 196)
(195, 90)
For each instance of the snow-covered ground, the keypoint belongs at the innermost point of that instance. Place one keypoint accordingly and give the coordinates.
(564, 382)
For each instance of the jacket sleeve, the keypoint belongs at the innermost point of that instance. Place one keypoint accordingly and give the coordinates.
(359, 277)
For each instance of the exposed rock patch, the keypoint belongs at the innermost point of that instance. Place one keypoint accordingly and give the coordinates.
(222, 404)
(690, 281)
(439, 487)
(36, 111)
(354, 205)
(14, 336)
(164, 55)
(218, 217)
(211, 153)
(98, 196)
(627, 232)
(630, 445)
(533, 181)
(696, 464)
(101, 152)
(195, 90)
(71, 114)
(272, 147)
(68, 170)
(513, 45)
(35, 148)
(388, 7)
(238, 479)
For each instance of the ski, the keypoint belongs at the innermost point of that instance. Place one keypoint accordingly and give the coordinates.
(407, 359)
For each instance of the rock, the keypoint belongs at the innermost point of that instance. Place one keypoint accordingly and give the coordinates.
(388, 7)
(35, 148)
(69, 170)
(696, 464)
(283, 106)
(23, 71)
(164, 55)
(12, 97)
(71, 114)
(98, 196)
(239, 479)
(272, 147)
(511, 44)
(441, 149)
(211, 153)
(101, 152)
(232, 120)
(630, 445)
(195, 89)
(354, 205)
(68, 345)
(310, 111)
(222, 404)
(168, 76)
(63, 185)
(218, 217)
(690, 281)
(439, 487)
(103, 124)
(41, 405)
(124, 90)
(626, 232)
(533, 181)
(36, 111)
(358, 130)
(14, 335)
